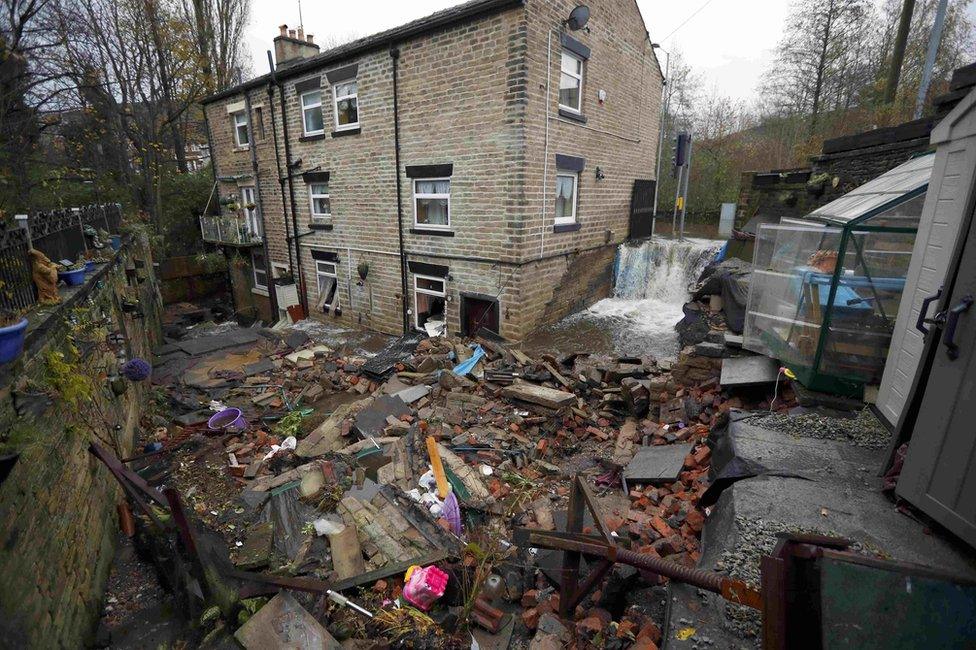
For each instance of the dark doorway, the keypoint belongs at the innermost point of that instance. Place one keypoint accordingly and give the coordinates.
(478, 312)
(642, 209)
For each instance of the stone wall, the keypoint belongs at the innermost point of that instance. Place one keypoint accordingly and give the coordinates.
(185, 279)
(58, 504)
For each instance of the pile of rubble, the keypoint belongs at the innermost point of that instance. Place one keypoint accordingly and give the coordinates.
(401, 481)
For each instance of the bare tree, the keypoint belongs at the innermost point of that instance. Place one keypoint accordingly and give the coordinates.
(219, 30)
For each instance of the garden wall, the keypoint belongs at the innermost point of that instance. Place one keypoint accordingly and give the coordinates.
(58, 504)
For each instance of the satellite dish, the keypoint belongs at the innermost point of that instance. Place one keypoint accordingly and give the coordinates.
(578, 17)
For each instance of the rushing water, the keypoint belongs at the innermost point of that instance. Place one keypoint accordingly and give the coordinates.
(650, 286)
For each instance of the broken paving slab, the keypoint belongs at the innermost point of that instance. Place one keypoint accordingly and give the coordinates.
(413, 393)
(283, 624)
(757, 370)
(371, 421)
(398, 351)
(228, 339)
(541, 395)
(258, 544)
(657, 464)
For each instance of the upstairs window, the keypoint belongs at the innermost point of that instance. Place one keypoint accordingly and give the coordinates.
(321, 205)
(346, 104)
(571, 83)
(251, 216)
(312, 122)
(432, 203)
(241, 135)
(567, 184)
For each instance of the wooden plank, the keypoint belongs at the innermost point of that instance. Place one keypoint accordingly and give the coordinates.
(555, 373)
(548, 397)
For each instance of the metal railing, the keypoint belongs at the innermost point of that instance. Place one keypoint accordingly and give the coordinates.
(228, 230)
(59, 234)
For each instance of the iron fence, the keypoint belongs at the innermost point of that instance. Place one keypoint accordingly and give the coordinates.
(59, 234)
(17, 290)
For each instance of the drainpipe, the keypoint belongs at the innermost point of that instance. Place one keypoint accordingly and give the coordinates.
(281, 176)
(299, 277)
(395, 56)
(272, 294)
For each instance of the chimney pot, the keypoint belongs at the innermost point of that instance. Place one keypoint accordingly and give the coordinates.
(301, 33)
(284, 29)
(291, 33)
(309, 38)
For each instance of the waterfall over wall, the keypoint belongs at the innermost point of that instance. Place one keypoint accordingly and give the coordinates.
(651, 281)
(661, 269)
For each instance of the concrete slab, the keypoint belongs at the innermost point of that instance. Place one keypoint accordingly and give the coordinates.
(228, 339)
(811, 485)
(748, 371)
(371, 421)
(733, 340)
(283, 624)
(413, 393)
(658, 464)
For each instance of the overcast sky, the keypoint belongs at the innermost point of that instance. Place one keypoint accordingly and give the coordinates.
(728, 42)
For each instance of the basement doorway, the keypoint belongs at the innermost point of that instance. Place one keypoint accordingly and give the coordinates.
(478, 312)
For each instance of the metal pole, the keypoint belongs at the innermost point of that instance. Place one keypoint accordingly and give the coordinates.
(677, 196)
(934, 39)
(660, 138)
(684, 200)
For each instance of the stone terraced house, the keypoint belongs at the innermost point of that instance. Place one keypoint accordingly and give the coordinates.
(475, 168)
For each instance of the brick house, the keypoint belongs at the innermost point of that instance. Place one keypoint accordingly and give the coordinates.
(477, 167)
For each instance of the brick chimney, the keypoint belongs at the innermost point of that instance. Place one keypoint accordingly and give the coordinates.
(292, 46)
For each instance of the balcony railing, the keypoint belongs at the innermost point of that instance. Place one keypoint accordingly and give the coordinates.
(229, 230)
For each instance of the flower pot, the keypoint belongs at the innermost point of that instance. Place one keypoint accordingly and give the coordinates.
(116, 241)
(72, 278)
(89, 266)
(12, 341)
(230, 419)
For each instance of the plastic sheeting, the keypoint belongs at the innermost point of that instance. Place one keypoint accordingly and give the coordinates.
(729, 279)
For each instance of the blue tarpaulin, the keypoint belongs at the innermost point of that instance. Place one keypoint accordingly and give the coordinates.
(465, 367)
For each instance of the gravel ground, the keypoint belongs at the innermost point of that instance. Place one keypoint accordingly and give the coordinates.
(756, 538)
(864, 430)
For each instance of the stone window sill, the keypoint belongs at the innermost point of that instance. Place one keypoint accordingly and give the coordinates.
(320, 226)
(570, 115)
(565, 227)
(312, 138)
(260, 292)
(432, 232)
(343, 132)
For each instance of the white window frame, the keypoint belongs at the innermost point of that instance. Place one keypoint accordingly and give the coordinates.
(311, 202)
(305, 109)
(575, 176)
(335, 105)
(251, 216)
(425, 195)
(427, 292)
(578, 109)
(334, 274)
(241, 115)
(260, 288)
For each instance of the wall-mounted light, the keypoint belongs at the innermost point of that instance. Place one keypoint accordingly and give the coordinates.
(599, 174)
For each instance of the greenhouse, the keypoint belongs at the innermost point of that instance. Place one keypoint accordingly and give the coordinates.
(826, 288)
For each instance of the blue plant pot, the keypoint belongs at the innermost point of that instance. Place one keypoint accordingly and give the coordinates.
(116, 241)
(12, 341)
(72, 278)
(89, 266)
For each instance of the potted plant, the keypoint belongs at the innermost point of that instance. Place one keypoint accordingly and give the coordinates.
(73, 275)
(13, 327)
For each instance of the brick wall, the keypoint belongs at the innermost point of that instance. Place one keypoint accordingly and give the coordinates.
(471, 95)
(58, 525)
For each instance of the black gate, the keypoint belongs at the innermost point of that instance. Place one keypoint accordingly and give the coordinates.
(642, 209)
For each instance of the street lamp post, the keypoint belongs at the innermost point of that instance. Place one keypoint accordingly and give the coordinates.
(660, 138)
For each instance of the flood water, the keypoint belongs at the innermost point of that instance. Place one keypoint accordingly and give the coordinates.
(651, 283)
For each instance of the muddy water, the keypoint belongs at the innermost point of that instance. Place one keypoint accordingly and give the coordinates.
(651, 283)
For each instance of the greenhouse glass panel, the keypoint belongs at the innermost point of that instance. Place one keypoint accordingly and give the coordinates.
(825, 290)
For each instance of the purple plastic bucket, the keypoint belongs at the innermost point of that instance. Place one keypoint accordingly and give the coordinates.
(229, 418)
(12, 341)
(73, 278)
